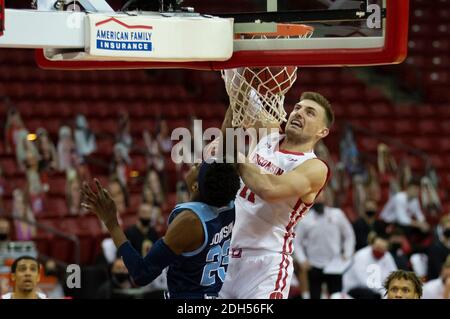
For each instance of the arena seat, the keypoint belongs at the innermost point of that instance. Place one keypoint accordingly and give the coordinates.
(55, 207)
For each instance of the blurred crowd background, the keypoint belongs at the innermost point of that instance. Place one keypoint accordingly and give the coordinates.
(387, 201)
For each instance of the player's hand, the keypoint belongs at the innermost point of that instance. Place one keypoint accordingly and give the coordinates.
(100, 202)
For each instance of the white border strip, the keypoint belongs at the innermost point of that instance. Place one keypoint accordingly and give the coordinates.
(311, 43)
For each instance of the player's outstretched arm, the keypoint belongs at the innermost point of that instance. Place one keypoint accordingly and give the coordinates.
(185, 234)
(306, 179)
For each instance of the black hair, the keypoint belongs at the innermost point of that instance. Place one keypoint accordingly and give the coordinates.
(363, 293)
(406, 275)
(115, 179)
(221, 184)
(382, 235)
(414, 181)
(16, 262)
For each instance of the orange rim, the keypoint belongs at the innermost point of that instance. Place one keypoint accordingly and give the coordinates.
(285, 30)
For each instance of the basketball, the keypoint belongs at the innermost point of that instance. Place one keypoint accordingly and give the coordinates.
(276, 80)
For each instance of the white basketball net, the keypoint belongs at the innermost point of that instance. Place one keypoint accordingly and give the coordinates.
(251, 102)
(257, 94)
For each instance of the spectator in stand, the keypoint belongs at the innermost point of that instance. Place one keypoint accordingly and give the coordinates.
(359, 194)
(5, 230)
(165, 146)
(404, 209)
(322, 256)
(387, 166)
(48, 159)
(24, 147)
(153, 183)
(439, 288)
(120, 165)
(365, 187)
(142, 235)
(397, 242)
(400, 179)
(182, 194)
(349, 153)
(123, 133)
(153, 154)
(66, 149)
(84, 138)
(342, 185)
(429, 197)
(25, 276)
(147, 195)
(431, 173)
(366, 224)
(163, 137)
(2, 190)
(54, 288)
(323, 153)
(439, 249)
(73, 192)
(403, 285)
(119, 194)
(159, 223)
(118, 285)
(13, 126)
(371, 266)
(4, 285)
(372, 184)
(23, 215)
(35, 187)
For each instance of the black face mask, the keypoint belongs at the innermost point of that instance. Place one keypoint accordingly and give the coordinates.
(121, 277)
(51, 273)
(144, 221)
(447, 232)
(3, 237)
(370, 213)
(319, 208)
(395, 246)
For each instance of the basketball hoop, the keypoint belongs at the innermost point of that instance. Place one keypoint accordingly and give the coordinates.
(257, 94)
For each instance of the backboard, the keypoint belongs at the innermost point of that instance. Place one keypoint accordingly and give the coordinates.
(346, 33)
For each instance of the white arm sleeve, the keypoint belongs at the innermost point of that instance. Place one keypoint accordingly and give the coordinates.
(417, 210)
(348, 235)
(388, 212)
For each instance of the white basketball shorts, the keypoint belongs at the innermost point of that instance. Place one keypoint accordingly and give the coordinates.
(256, 274)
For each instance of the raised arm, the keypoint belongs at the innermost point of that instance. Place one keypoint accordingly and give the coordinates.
(306, 179)
(184, 234)
(348, 235)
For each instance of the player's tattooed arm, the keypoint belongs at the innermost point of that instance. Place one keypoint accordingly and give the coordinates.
(306, 179)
